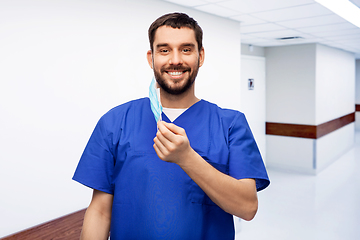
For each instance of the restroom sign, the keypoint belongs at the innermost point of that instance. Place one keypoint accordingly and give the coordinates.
(251, 84)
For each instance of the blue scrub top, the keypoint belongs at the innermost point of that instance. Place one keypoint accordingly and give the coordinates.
(154, 199)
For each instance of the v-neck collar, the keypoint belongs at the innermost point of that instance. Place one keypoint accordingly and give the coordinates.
(190, 109)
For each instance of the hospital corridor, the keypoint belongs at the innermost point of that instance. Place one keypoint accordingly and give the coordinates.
(71, 71)
(301, 207)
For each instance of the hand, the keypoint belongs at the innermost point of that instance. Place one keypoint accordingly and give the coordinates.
(171, 143)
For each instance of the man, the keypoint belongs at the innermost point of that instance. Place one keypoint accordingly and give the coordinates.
(182, 178)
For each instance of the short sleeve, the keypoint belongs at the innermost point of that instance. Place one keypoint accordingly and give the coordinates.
(245, 160)
(96, 165)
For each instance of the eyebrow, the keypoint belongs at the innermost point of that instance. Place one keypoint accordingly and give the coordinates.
(162, 45)
(188, 45)
(183, 45)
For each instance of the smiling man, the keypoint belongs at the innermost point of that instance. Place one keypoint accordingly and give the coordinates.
(180, 178)
(178, 59)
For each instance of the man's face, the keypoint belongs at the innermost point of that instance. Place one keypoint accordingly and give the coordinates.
(175, 59)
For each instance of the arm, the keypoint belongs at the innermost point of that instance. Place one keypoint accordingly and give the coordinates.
(237, 197)
(97, 219)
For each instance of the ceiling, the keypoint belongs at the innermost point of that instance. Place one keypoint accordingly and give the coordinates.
(265, 22)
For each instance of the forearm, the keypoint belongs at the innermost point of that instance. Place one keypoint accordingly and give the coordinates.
(97, 218)
(96, 226)
(237, 197)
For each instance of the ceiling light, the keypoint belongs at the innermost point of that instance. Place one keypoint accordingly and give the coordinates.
(289, 38)
(344, 8)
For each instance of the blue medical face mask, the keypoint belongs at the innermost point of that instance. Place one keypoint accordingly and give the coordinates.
(154, 95)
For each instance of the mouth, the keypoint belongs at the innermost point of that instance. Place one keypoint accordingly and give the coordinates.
(172, 73)
(176, 73)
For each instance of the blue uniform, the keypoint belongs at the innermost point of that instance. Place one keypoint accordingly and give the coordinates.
(154, 199)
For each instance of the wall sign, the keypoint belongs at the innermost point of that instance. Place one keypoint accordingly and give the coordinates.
(251, 84)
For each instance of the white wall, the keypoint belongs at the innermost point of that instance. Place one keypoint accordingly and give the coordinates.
(357, 74)
(290, 88)
(253, 101)
(290, 98)
(335, 83)
(332, 146)
(335, 95)
(65, 63)
(291, 153)
(308, 84)
(251, 50)
(357, 121)
(357, 94)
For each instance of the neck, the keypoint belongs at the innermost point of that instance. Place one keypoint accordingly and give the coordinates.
(185, 100)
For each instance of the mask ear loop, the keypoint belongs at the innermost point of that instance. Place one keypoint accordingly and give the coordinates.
(154, 95)
(160, 106)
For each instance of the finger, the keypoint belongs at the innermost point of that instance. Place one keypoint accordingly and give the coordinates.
(170, 131)
(166, 132)
(162, 139)
(158, 152)
(167, 147)
(174, 128)
(173, 139)
(160, 146)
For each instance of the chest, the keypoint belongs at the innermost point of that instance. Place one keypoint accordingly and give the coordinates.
(204, 131)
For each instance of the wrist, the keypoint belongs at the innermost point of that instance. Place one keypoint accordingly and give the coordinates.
(188, 159)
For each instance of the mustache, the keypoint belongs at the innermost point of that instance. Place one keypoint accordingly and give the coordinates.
(179, 68)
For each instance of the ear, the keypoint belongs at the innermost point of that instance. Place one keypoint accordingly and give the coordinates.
(201, 56)
(149, 58)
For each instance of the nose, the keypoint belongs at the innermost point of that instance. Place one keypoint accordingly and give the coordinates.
(175, 58)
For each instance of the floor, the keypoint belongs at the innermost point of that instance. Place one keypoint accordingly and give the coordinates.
(295, 206)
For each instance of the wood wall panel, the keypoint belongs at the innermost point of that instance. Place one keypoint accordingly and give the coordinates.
(65, 228)
(308, 131)
(357, 107)
(291, 130)
(333, 125)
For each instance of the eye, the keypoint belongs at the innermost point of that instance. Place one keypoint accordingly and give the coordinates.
(186, 50)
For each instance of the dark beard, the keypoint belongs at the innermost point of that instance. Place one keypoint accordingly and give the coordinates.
(177, 90)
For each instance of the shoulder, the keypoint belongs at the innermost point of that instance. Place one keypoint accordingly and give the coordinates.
(124, 108)
(114, 117)
(228, 116)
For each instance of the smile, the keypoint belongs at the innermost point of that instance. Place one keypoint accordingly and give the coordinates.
(175, 73)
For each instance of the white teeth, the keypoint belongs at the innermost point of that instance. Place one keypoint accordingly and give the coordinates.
(175, 73)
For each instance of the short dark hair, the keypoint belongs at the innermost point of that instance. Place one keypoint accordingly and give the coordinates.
(176, 20)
